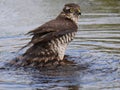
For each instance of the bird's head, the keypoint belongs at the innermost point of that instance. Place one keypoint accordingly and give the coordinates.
(71, 11)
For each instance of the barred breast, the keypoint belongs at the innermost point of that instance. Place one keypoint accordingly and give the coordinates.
(59, 44)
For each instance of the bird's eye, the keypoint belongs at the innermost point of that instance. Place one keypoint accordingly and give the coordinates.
(71, 10)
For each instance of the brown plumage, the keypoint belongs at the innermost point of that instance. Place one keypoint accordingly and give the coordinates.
(50, 40)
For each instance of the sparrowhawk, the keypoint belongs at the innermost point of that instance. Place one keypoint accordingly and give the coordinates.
(50, 40)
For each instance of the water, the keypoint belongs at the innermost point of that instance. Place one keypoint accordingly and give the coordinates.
(96, 45)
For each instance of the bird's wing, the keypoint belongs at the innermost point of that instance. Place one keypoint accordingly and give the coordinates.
(51, 30)
(47, 35)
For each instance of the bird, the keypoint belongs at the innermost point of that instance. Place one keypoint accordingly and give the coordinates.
(50, 40)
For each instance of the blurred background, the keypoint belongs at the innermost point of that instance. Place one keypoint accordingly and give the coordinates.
(97, 43)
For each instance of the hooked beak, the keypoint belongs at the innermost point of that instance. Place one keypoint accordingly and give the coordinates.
(79, 13)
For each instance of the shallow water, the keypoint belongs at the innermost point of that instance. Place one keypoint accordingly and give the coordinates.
(95, 47)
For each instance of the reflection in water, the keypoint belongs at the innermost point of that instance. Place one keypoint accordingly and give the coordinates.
(96, 45)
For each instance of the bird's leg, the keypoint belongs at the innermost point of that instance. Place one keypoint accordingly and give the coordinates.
(66, 61)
